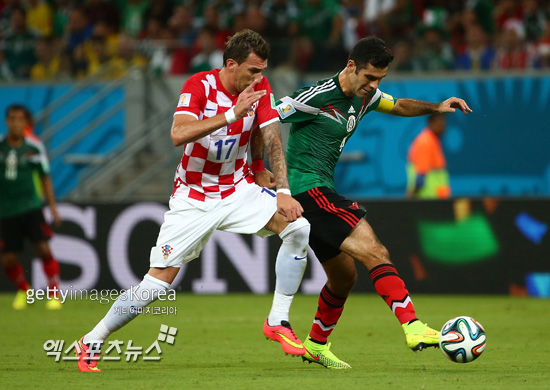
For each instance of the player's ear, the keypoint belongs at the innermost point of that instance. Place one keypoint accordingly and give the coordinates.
(231, 64)
(351, 66)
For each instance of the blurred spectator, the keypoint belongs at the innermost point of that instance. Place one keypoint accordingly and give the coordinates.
(534, 20)
(281, 26)
(67, 67)
(18, 44)
(78, 29)
(104, 11)
(104, 30)
(39, 17)
(389, 18)
(402, 57)
(434, 52)
(513, 52)
(98, 56)
(61, 16)
(161, 10)
(506, 10)
(181, 25)
(281, 17)
(100, 61)
(5, 14)
(353, 26)
(478, 54)
(543, 47)
(132, 16)
(483, 11)
(319, 46)
(254, 19)
(128, 57)
(5, 72)
(48, 61)
(226, 11)
(209, 56)
(212, 21)
(168, 56)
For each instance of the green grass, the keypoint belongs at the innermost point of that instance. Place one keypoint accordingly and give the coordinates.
(220, 345)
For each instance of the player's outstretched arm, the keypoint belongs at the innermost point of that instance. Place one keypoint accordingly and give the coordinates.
(286, 204)
(186, 128)
(413, 107)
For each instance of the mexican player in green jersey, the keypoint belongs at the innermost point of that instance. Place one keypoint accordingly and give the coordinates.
(24, 179)
(323, 117)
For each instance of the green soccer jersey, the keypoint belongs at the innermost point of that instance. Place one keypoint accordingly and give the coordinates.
(322, 119)
(20, 189)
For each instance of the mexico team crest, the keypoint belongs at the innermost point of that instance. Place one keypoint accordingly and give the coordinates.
(351, 123)
(166, 250)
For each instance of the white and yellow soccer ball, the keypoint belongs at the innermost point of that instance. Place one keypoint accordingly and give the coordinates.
(462, 339)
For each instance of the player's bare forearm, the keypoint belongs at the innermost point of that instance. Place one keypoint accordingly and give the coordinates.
(257, 145)
(413, 107)
(274, 146)
(186, 128)
(47, 188)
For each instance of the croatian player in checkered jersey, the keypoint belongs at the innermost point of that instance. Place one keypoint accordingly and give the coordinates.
(215, 190)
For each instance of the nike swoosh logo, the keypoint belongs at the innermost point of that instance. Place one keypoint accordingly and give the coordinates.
(290, 341)
(299, 258)
(310, 354)
(210, 109)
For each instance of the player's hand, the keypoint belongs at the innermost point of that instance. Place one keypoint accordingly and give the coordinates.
(247, 98)
(264, 179)
(289, 207)
(451, 104)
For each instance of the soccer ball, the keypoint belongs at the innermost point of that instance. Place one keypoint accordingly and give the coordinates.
(462, 339)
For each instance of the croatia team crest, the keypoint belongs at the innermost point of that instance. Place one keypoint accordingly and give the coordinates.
(166, 250)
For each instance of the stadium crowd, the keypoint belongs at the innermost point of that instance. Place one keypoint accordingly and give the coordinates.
(67, 39)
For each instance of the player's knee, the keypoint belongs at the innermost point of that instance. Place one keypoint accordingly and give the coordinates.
(297, 233)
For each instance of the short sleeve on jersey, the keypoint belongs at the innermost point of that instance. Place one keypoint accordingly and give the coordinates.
(192, 97)
(266, 112)
(40, 159)
(386, 103)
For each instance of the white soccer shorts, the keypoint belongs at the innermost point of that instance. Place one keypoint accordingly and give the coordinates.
(189, 223)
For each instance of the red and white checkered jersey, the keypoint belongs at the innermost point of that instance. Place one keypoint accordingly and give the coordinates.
(215, 166)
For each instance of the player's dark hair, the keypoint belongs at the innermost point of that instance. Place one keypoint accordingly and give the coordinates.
(370, 50)
(19, 107)
(240, 45)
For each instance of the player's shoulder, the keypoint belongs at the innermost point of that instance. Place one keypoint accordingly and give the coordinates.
(201, 78)
(34, 141)
(317, 92)
(264, 82)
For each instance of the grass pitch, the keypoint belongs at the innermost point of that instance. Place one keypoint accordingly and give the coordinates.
(220, 345)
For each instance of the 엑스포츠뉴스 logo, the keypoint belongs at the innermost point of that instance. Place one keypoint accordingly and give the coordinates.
(166, 250)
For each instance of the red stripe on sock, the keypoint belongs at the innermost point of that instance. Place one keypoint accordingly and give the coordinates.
(17, 276)
(326, 314)
(51, 269)
(393, 291)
